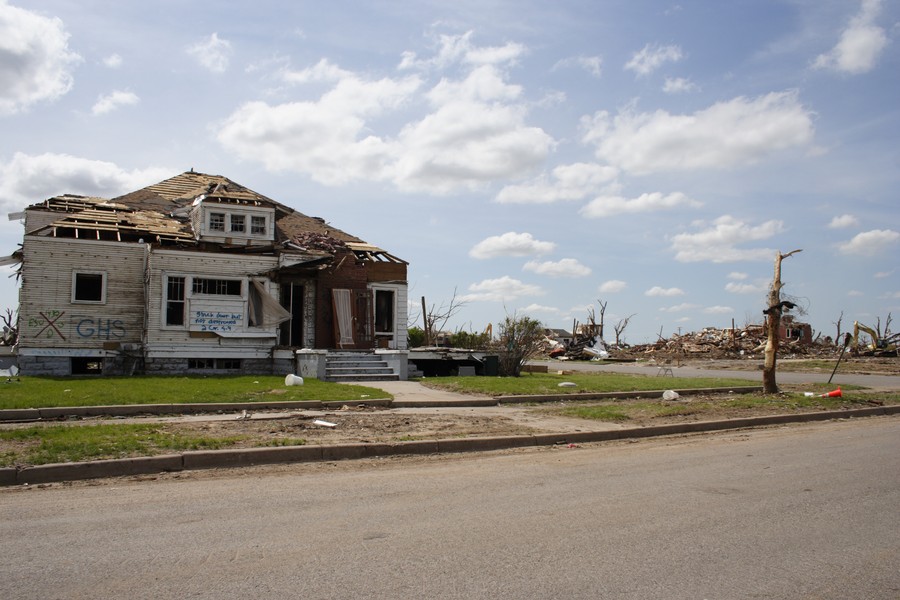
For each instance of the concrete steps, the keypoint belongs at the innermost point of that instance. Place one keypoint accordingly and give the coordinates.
(348, 367)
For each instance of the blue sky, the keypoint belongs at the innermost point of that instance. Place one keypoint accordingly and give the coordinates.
(530, 157)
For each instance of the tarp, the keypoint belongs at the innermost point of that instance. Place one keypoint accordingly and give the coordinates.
(265, 311)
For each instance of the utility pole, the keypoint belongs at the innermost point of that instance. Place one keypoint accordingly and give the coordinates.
(773, 324)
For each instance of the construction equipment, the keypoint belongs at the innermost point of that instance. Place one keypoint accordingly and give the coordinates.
(879, 346)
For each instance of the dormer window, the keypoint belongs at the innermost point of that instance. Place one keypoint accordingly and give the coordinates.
(258, 225)
(238, 224)
(217, 221)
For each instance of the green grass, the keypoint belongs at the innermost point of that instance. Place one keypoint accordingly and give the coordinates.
(47, 392)
(43, 445)
(536, 384)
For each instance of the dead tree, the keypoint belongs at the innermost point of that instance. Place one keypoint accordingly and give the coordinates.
(10, 329)
(620, 327)
(837, 338)
(602, 304)
(435, 319)
(773, 324)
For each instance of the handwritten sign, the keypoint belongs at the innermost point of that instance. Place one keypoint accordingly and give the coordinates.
(215, 320)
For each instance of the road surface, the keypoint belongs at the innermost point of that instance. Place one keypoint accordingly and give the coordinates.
(805, 511)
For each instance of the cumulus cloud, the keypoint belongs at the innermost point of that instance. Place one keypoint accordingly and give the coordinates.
(27, 179)
(843, 221)
(678, 307)
(678, 85)
(474, 132)
(745, 288)
(502, 289)
(661, 291)
(36, 61)
(212, 53)
(607, 206)
(871, 243)
(567, 267)
(719, 241)
(540, 308)
(567, 182)
(460, 48)
(612, 286)
(651, 57)
(591, 64)
(113, 61)
(860, 45)
(510, 244)
(114, 100)
(737, 132)
(718, 310)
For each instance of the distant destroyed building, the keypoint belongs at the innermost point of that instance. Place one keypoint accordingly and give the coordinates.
(196, 274)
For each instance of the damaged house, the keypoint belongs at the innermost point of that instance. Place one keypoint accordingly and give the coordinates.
(197, 274)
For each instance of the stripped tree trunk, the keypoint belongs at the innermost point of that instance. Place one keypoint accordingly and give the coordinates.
(773, 324)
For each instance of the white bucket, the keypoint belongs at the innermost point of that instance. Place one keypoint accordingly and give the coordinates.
(292, 379)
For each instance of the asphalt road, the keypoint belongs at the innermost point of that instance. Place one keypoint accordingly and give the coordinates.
(796, 512)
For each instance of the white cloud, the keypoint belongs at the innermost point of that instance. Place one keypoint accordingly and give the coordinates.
(734, 133)
(883, 274)
(678, 307)
(652, 57)
(607, 206)
(474, 134)
(612, 286)
(113, 61)
(678, 85)
(328, 140)
(28, 179)
(503, 289)
(843, 221)
(718, 310)
(540, 308)
(212, 53)
(745, 288)
(510, 244)
(36, 61)
(568, 182)
(871, 243)
(855, 294)
(567, 267)
(718, 242)
(737, 276)
(860, 45)
(460, 49)
(591, 64)
(661, 291)
(114, 100)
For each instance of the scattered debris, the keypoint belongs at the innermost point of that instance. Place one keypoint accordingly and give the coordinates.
(292, 379)
(567, 384)
(670, 395)
(324, 423)
(243, 416)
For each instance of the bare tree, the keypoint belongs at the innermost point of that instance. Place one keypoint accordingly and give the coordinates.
(773, 324)
(10, 329)
(602, 304)
(620, 327)
(837, 338)
(434, 319)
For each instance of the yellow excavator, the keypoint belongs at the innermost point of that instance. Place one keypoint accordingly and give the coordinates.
(879, 346)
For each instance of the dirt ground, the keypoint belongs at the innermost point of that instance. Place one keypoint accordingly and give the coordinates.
(860, 366)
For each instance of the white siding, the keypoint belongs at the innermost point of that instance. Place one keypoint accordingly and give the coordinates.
(48, 316)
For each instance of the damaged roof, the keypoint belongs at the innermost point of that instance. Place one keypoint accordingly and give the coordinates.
(158, 214)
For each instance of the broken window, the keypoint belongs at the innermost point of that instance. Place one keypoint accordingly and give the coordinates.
(83, 365)
(217, 221)
(88, 287)
(238, 223)
(258, 225)
(216, 287)
(175, 301)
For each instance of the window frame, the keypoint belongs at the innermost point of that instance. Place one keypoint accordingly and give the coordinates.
(103, 287)
(214, 224)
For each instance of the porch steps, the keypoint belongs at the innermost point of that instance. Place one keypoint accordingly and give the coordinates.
(347, 366)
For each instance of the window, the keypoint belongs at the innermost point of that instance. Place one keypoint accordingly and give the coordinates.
(217, 287)
(258, 225)
(219, 364)
(217, 221)
(175, 301)
(238, 223)
(87, 366)
(89, 287)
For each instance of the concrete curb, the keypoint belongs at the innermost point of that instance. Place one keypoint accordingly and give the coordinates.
(635, 394)
(213, 459)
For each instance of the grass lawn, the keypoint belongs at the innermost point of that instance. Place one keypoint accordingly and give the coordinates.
(545, 384)
(47, 392)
